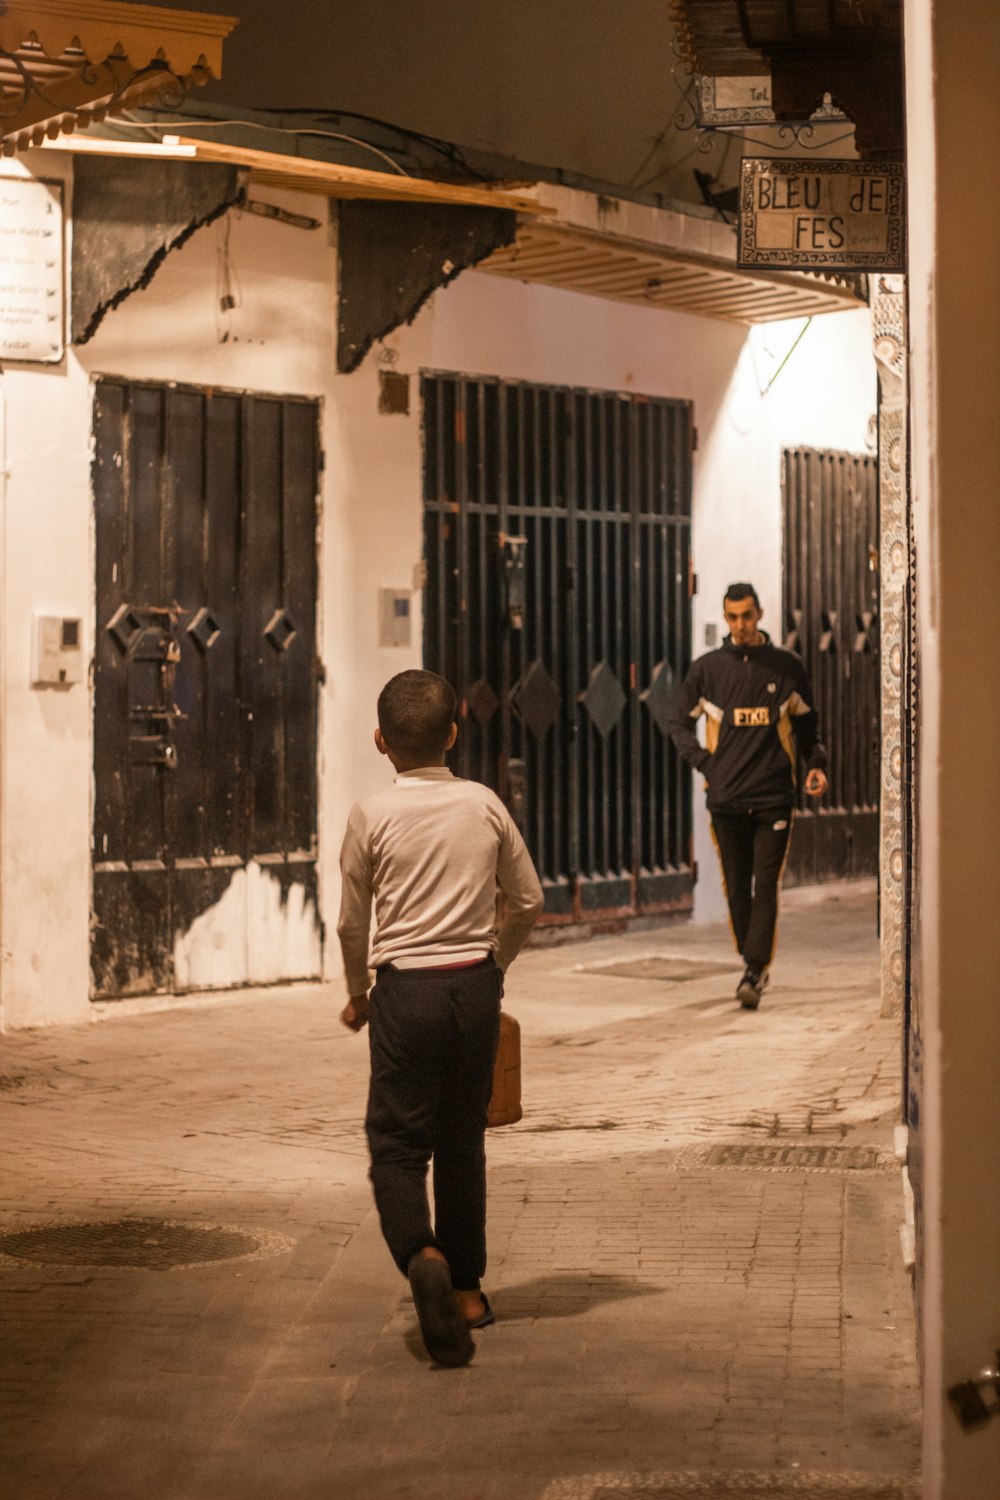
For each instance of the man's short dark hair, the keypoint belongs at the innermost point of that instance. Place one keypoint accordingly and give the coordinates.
(415, 713)
(737, 591)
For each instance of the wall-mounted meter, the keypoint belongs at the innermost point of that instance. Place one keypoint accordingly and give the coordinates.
(394, 617)
(56, 651)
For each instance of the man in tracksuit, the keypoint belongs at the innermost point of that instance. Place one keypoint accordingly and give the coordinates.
(760, 723)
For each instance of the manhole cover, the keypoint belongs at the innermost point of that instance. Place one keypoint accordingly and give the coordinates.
(139, 1244)
(778, 1157)
(737, 1485)
(666, 970)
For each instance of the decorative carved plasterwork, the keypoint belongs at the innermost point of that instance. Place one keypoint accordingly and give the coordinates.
(889, 343)
(65, 63)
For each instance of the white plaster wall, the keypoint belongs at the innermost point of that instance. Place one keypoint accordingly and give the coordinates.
(281, 338)
(45, 749)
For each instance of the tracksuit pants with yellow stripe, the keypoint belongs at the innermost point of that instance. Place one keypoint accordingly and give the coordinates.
(752, 847)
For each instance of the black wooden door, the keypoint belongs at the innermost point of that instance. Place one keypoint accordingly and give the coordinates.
(205, 680)
(831, 619)
(557, 537)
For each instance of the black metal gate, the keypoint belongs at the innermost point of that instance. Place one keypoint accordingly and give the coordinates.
(205, 665)
(831, 548)
(557, 537)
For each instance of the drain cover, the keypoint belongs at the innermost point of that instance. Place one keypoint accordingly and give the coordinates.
(832, 1158)
(140, 1244)
(737, 1485)
(669, 970)
(778, 1157)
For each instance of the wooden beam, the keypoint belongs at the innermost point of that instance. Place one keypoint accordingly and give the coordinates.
(335, 181)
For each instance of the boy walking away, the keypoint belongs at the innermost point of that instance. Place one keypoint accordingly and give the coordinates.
(432, 850)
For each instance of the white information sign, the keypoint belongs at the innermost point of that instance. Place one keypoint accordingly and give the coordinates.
(31, 271)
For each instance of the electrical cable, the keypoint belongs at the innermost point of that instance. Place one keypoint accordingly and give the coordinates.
(447, 149)
(180, 122)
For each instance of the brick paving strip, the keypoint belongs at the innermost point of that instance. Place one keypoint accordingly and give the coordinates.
(693, 1240)
(738, 1485)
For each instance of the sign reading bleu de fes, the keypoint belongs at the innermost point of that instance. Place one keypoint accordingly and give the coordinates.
(821, 215)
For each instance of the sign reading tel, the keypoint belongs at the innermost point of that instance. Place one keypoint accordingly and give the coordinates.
(821, 215)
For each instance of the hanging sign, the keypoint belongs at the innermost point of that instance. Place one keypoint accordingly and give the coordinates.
(821, 215)
(747, 101)
(31, 271)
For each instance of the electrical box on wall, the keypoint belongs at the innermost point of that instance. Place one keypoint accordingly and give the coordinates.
(395, 617)
(56, 651)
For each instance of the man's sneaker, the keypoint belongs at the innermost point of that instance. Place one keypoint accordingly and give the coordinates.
(751, 987)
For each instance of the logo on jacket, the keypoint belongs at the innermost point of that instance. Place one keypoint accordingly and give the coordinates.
(750, 718)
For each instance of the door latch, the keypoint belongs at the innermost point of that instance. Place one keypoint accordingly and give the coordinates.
(976, 1401)
(517, 793)
(513, 568)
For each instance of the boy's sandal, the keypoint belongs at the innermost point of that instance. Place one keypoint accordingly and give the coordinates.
(442, 1327)
(486, 1317)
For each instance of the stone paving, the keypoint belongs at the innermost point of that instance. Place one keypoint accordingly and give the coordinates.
(666, 1325)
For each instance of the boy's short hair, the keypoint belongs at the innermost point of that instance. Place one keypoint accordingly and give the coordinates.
(415, 713)
(737, 591)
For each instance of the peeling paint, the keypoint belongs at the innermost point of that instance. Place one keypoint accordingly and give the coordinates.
(264, 929)
(127, 218)
(393, 256)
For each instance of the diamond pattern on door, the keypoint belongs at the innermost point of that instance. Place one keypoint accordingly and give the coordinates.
(536, 699)
(604, 699)
(281, 630)
(659, 696)
(482, 700)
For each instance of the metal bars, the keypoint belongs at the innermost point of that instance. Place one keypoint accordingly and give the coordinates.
(557, 538)
(831, 619)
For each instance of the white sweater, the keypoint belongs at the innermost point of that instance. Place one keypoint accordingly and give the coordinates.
(432, 850)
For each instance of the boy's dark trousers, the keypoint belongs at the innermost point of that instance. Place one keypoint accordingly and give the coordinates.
(752, 848)
(433, 1036)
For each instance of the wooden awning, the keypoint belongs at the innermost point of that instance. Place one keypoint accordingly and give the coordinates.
(64, 63)
(651, 276)
(567, 238)
(658, 258)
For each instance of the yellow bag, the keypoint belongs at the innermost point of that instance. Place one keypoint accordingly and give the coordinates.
(505, 1100)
